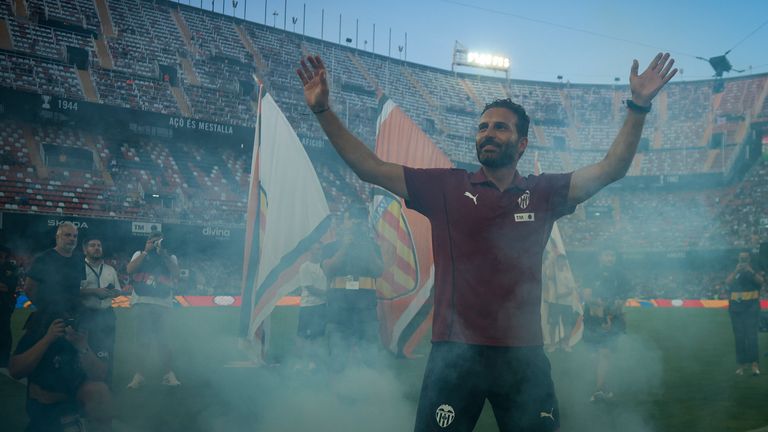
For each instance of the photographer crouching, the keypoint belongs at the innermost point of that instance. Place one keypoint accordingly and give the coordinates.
(64, 376)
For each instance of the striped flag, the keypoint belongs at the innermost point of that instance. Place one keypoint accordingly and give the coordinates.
(558, 286)
(287, 214)
(405, 236)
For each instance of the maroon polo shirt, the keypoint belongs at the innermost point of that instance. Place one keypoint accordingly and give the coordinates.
(488, 247)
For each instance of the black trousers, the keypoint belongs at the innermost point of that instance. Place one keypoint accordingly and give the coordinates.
(6, 340)
(460, 377)
(745, 319)
(100, 325)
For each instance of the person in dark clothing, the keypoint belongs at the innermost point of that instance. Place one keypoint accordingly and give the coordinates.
(54, 279)
(744, 308)
(9, 280)
(64, 376)
(604, 318)
(352, 263)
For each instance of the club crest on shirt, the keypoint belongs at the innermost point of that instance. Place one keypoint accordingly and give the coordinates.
(524, 200)
(444, 415)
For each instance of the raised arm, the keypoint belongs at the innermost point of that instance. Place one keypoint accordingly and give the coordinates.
(588, 180)
(362, 160)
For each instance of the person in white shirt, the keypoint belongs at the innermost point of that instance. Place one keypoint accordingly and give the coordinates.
(154, 272)
(312, 312)
(97, 319)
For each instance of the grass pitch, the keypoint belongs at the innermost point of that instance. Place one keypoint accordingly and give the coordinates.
(674, 371)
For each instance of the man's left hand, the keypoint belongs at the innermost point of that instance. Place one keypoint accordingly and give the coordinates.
(646, 85)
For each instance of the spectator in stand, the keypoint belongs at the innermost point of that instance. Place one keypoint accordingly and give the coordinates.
(97, 318)
(154, 273)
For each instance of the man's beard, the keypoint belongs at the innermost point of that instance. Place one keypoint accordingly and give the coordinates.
(501, 159)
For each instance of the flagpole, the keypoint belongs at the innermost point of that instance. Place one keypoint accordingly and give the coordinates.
(251, 266)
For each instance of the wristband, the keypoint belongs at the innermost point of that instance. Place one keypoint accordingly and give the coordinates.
(320, 111)
(638, 108)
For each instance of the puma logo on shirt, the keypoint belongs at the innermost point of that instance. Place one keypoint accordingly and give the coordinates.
(472, 197)
(550, 414)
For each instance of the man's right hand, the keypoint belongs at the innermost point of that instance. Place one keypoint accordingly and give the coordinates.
(316, 89)
(55, 330)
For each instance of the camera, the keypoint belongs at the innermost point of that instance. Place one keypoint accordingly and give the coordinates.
(71, 322)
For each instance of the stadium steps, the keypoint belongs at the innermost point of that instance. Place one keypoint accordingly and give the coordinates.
(707, 135)
(184, 30)
(20, 8)
(182, 163)
(538, 131)
(107, 27)
(616, 104)
(662, 104)
(439, 122)
(225, 171)
(657, 139)
(572, 136)
(102, 52)
(361, 67)
(261, 65)
(760, 100)
(662, 107)
(712, 156)
(566, 101)
(189, 71)
(471, 92)
(6, 41)
(744, 126)
(34, 152)
(86, 83)
(570, 131)
(181, 101)
(99, 162)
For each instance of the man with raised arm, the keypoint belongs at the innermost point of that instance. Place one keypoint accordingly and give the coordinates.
(489, 230)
